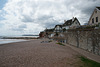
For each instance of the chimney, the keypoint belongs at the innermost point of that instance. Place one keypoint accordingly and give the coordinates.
(73, 19)
(64, 21)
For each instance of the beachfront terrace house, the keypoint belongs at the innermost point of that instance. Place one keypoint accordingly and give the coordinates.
(71, 24)
(49, 32)
(95, 17)
(58, 28)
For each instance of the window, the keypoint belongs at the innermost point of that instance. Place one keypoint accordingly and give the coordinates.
(93, 20)
(96, 19)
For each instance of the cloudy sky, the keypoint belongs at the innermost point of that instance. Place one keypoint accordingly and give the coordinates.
(19, 17)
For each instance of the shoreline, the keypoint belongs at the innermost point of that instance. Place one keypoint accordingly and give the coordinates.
(20, 38)
(7, 41)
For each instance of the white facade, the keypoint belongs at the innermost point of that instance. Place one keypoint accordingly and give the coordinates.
(75, 24)
(58, 29)
(66, 27)
(95, 17)
(52, 35)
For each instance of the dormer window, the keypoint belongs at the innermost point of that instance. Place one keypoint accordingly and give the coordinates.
(96, 19)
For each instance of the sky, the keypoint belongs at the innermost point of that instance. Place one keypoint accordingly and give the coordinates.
(18, 17)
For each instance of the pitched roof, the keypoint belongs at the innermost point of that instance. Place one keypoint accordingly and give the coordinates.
(68, 23)
(98, 8)
(59, 26)
(49, 30)
(77, 20)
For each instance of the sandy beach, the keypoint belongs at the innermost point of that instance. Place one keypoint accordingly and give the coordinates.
(36, 54)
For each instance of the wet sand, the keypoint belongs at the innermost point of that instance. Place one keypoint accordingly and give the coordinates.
(36, 54)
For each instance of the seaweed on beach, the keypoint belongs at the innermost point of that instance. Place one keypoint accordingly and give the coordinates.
(60, 44)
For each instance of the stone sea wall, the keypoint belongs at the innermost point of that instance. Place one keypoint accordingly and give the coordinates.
(87, 39)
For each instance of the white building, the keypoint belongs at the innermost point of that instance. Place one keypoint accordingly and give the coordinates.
(72, 23)
(58, 28)
(95, 17)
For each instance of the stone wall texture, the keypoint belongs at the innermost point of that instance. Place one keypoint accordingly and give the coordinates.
(87, 39)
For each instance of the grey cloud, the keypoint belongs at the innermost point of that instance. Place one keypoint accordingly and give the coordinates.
(23, 26)
(50, 23)
(1, 25)
(45, 17)
(88, 10)
(26, 18)
(87, 7)
(42, 12)
(92, 0)
(19, 28)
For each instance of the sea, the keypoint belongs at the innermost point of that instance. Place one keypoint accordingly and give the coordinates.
(5, 41)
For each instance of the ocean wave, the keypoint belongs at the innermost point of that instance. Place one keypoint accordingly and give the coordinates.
(4, 41)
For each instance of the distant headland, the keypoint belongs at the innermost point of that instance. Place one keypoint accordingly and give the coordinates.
(29, 35)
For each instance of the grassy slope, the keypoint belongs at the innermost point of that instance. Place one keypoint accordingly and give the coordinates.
(89, 63)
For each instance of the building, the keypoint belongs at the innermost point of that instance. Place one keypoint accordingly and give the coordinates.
(49, 32)
(71, 24)
(95, 17)
(41, 34)
(67, 24)
(58, 28)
